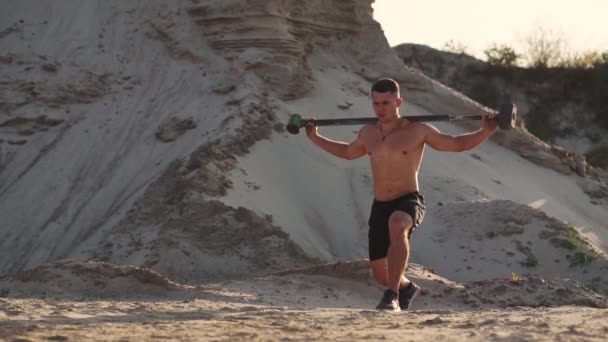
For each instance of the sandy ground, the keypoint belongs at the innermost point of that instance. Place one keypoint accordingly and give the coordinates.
(326, 302)
(32, 319)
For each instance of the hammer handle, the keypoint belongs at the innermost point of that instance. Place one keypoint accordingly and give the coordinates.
(373, 120)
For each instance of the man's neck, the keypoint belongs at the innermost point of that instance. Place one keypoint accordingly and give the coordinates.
(392, 124)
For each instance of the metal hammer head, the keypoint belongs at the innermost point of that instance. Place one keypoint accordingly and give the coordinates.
(294, 124)
(507, 115)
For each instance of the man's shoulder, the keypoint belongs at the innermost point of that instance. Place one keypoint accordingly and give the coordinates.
(420, 126)
(368, 128)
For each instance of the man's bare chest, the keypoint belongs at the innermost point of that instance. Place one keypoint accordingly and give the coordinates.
(398, 145)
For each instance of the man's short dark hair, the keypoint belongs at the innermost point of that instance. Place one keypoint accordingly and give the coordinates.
(386, 85)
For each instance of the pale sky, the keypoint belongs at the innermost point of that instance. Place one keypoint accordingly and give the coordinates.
(477, 23)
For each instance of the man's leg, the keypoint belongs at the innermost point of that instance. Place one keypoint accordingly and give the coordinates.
(391, 300)
(399, 225)
(383, 222)
(380, 273)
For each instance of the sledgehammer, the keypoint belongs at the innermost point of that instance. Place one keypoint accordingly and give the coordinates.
(506, 119)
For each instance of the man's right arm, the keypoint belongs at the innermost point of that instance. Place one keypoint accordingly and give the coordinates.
(354, 150)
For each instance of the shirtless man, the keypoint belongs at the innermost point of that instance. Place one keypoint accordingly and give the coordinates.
(395, 147)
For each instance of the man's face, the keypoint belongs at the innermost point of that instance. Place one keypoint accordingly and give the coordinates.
(385, 104)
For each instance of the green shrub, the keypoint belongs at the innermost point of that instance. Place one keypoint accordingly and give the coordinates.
(538, 121)
(594, 137)
(595, 284)
(581, 258)
(455, 47)
(530, 261)
(598, 156)
(544, 48)
(580, 60)
(486, 92)
(502, 55)
(572, 240)
(599, 89)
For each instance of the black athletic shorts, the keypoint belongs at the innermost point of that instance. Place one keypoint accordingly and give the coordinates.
(378, 236)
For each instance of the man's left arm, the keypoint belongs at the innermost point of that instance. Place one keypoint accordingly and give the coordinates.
(464, 142)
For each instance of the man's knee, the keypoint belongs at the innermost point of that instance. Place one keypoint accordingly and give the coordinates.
(399, 224)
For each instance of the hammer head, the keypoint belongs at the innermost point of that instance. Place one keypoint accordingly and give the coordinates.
(507, 115)
(294, 124)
